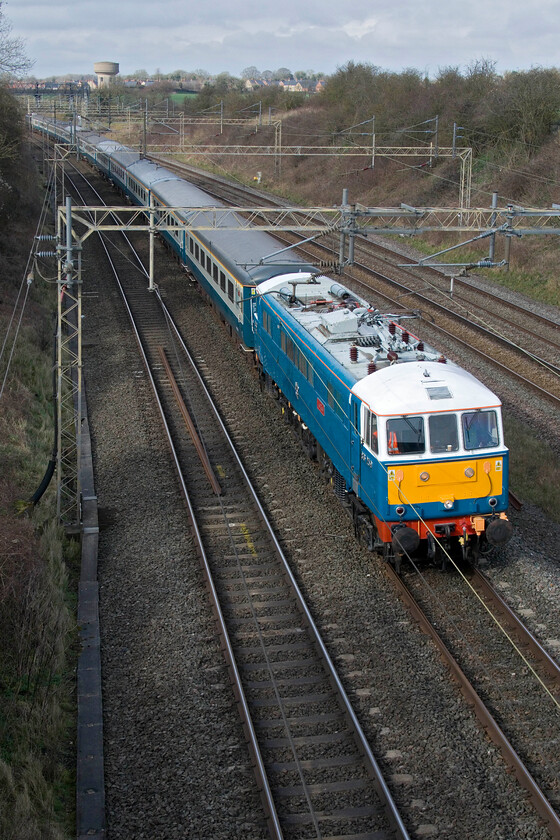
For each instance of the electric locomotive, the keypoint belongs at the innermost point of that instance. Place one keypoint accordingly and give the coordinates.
(414, 443)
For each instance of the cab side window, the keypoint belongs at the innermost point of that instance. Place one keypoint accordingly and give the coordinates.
(370, 430)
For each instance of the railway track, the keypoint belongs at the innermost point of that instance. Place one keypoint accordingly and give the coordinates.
(314, 766)
(477, 302)
(526, 349)
(502, 670)
(542, 378)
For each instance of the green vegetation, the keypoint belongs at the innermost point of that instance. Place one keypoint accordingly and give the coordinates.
(535, 284)
(37, 627)
(179, 98)
(37, 565)
(534, 467)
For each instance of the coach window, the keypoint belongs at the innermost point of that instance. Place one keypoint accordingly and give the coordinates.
(222, 281)
(288, 346)
(267, 322)
(230, 290)
(302, 363)
(334, 400)
(215, 272)
(196, 253)
(370, 430)
(208, 264)
(443, 433)
(191, 245)
(405, 435)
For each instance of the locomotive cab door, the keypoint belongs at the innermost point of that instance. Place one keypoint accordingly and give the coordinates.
(355, 442)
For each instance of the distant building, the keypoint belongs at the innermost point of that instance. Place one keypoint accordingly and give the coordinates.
(289, 85)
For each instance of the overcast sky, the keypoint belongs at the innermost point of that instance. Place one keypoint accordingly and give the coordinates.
(225, 35)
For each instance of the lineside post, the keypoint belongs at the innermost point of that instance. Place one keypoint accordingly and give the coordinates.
(69, 374)
(152, 242)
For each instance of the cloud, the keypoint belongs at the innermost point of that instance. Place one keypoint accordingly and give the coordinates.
(68, 37)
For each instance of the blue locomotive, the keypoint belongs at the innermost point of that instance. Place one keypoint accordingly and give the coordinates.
(413, 443)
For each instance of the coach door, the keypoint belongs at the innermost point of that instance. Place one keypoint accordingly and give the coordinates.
(355, 442)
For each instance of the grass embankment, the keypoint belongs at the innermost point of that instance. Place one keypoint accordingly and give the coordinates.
(534, 467)
(37, 565)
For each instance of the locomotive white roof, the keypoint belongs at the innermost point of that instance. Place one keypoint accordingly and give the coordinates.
(409, 376)
(422, 388)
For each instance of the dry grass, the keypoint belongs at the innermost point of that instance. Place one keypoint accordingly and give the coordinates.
(37, 627)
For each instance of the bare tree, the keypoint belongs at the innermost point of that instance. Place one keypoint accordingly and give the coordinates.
(12, 50)
(281, 74)
(251, 73)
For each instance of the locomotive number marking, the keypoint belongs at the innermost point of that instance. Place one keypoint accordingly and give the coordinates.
(320, 406)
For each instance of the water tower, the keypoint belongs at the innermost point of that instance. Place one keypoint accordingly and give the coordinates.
(106, 72)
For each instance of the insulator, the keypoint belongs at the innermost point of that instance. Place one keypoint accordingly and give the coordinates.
(405, 337)
(45, 254)
(371, 368)
(353, 353)
(420, 346)
(45, 237)
(442, 359)
(392, 328)
(339, 291)
(392, 356)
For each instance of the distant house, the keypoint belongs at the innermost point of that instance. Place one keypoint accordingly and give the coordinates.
(291, 85)
(256, 84)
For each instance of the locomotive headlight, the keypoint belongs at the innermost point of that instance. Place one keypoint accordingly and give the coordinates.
(469, 472)
(400, 510)
(492, 502)
(424, 476)
(448, 504)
